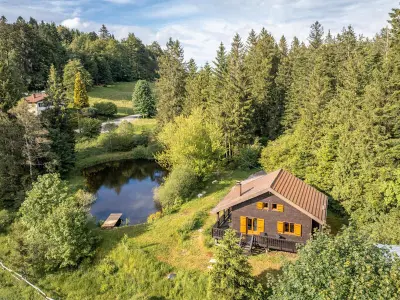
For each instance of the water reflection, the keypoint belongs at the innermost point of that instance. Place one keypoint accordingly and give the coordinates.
(125, 187)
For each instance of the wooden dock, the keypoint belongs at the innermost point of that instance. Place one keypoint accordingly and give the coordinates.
(111, 221)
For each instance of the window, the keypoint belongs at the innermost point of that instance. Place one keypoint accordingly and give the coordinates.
(277, 207)
(288, 228)
(42, 104)
(252, 224)
(262, 205)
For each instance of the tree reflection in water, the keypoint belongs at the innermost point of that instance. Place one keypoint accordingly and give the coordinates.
(126, 187)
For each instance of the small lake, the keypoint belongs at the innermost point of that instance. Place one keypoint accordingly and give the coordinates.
(125, 187)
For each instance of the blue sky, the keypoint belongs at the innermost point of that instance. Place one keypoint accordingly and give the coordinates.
(202, 25)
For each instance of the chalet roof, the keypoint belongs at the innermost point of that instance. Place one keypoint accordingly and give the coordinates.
(284, 185)
(35, 98)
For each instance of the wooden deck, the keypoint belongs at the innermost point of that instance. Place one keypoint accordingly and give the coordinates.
(250, 242)
(111, 221)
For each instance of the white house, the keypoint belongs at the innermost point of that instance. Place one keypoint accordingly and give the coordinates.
(37, 103)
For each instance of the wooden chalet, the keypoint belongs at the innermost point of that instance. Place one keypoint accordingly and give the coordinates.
(271, 211)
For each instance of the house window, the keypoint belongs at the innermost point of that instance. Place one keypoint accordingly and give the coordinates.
(288, 227)
(262, 205)
(277, 207)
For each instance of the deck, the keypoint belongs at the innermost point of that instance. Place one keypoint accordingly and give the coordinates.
(251, 242)
(111, 221)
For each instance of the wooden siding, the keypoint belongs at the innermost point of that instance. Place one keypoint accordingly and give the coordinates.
(271, 218)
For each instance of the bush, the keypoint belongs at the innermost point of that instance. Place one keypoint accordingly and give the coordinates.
(89, 128)
(110, 126)
(89, 112)
(6, 218)
(123, 138)
(248, 157)
(107, 109)
(178, 186)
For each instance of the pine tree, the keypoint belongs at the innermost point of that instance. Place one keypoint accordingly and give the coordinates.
(81, 98)
(230, 276)
(171, 84)
(143, 99)
(104, 33)
(55, 90)
(199, 91)
(236, 109)
(316, 35)
(261, 64)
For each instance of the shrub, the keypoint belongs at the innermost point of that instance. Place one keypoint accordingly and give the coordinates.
(6, 218)
(123, 138)
(110, 126)
(157, 215)
(178, 186)
(248, 157)
(107, 109)
(89, 112)
(89, 128)
(108, 267)
(192, 141)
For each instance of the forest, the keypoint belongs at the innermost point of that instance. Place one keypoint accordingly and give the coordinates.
(326, 109)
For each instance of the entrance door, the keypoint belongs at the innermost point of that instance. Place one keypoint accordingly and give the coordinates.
(251, 225)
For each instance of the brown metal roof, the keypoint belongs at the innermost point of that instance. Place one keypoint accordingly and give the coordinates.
(35, 98)
(284, 185)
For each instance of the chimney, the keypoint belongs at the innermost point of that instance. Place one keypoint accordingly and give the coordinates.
(238, 189)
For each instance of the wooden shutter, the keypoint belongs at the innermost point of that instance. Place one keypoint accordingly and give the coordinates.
(297, 229)
(243, 224)
(260, 205)
(279, 207)
(260, 225)
(279, 227)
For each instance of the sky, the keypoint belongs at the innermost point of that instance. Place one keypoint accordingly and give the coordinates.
(201, 25)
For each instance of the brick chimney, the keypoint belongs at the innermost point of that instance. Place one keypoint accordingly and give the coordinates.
(238, 189)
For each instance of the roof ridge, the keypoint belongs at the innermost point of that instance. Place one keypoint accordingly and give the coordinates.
(276, 177)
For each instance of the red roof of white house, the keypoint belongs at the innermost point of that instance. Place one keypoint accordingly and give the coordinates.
(284, 185)
(35, 98)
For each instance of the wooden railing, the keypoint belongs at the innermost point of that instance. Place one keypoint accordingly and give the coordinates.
(260, 241)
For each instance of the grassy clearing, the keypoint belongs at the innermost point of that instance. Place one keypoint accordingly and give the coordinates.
(144, 254)
(119, 93)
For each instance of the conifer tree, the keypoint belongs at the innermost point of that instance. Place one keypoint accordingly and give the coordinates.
(199, 90)
(171, 84)
(81, 98)
(237, 108)
(230, 276)
(143, 99)
(316, 35)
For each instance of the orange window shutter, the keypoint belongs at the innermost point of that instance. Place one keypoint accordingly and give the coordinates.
(243, 223)
(279, 207)
(260, 205)
(279, 227)
(297, 229)
(260, 225)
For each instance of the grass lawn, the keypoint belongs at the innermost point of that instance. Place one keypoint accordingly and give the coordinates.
(120, 93)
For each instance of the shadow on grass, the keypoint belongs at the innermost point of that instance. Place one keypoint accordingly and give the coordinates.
(263, 276)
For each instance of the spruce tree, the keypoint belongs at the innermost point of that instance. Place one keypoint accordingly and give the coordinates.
(236, 109)
(230, 276)
(143, 99)
(81, 98)
(316, 35)
(171, 84)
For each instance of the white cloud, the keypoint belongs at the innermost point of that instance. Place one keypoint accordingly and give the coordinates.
(202, 25)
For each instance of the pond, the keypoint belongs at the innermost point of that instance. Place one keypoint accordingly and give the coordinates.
(125, 187)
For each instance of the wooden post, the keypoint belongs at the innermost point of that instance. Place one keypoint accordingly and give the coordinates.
(217, 219)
